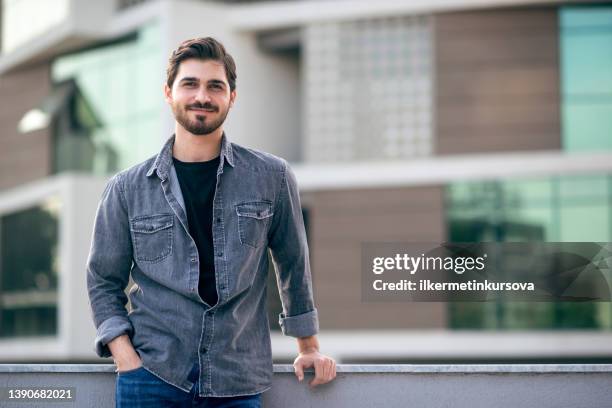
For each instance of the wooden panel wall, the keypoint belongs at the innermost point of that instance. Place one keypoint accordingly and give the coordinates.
(497, 81)
(23, 157)
(339, 222)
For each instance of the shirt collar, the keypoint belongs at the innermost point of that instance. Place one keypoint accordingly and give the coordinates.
(163, 161)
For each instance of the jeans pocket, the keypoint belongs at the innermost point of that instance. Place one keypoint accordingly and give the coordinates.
(129, 372)
(253, 222)
(152, 237)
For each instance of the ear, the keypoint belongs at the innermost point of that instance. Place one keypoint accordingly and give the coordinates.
(168, 94)
(232, 98)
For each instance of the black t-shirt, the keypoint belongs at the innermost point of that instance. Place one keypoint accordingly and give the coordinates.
(198, 181)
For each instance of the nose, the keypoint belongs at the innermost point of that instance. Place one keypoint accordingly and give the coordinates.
(202, 96)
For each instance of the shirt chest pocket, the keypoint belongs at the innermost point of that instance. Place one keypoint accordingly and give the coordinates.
(253, 222)
(152, 237)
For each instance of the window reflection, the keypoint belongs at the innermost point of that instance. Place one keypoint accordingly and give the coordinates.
(563, 209)
(29, 271)
(113, 120)
(586, 77)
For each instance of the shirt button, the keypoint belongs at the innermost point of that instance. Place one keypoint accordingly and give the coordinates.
(220, 254)
(193, 259)
(218, 219)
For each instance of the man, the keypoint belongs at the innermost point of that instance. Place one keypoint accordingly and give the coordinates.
(192, 227)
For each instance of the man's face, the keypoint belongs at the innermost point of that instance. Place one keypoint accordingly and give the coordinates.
(200, 96)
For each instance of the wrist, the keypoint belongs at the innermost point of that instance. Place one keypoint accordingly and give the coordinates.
(123, 352)
(308, 345)
(128, 363)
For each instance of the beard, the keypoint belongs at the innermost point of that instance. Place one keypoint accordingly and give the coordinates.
(202, 125)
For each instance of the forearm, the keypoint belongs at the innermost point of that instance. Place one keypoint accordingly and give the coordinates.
(308, 344)
(289, 250)
(108, 268)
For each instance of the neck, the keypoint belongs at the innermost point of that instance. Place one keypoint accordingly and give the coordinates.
(196, 148)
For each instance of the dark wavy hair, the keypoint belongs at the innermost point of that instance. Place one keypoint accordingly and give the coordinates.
(206, 48)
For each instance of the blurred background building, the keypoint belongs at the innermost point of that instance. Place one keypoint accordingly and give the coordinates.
(422, 121)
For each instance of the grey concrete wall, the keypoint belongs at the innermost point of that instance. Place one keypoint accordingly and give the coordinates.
(356, 386)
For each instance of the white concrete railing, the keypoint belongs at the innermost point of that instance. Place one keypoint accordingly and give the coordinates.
(520, 385)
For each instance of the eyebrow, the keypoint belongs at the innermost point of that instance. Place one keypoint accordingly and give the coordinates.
(194, 79)
(189, 79)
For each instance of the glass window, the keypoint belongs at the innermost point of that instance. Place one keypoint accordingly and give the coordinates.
(586, 77)
(121, 84)
(29, 271)
(558, 209)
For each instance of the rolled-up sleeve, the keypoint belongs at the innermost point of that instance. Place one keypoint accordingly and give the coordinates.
(289, 250)
(108, 267)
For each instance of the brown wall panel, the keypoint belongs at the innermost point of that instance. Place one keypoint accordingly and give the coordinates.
(506, 141)
(23, 157)
(497, 81)
(479, 49)
(498, 20)
(496, 115)
(339, 222)
(541, 82)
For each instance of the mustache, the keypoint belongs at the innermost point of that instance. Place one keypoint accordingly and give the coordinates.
(203, 106)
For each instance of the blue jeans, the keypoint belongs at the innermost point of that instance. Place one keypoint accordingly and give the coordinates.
(140, 389)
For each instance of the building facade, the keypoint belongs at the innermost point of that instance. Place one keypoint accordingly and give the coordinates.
(404, 122)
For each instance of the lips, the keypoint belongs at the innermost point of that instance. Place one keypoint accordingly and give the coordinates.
(203, 110)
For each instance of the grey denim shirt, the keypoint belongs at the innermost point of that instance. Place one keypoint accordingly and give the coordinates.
(141, 230)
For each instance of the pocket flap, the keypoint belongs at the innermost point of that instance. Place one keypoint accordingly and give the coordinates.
(152, 223)
(255, 209)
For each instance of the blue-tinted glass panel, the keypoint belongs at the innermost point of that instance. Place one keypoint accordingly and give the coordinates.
(121, 83)
(556, 209)
(586, 77)
(587, 126)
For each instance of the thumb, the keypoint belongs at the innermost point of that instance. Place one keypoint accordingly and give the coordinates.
(299, 370)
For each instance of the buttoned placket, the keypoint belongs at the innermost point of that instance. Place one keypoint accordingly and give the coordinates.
(208, 318)
(172, 192)
(170, 185)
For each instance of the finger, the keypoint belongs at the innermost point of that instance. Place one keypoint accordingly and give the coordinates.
(330, 370)
(319, 376)
(299, 370)
(327, 371)
(314, 382)
(317, 373)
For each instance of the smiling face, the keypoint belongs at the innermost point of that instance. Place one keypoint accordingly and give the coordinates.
(200, 96)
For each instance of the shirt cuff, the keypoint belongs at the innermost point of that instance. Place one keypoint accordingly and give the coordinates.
(302, 325)
(109, 329)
